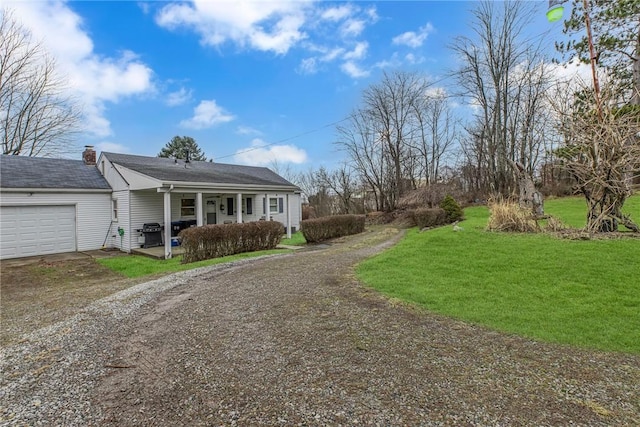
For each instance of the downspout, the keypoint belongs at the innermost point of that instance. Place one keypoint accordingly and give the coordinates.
(167, 222)
(288, 217)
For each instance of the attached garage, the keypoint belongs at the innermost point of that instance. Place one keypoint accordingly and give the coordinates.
(37, 230)
(50, 206)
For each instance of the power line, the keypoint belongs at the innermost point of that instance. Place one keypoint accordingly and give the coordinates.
(280, 141)
(310, 131)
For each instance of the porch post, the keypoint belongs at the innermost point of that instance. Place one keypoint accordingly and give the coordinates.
(267, 208)
(167, 225)
(199, 220)
(239, 208)
(288, 217)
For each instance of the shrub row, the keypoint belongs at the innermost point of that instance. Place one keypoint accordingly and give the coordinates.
(328, 227)
(214, 241)
(429, 217)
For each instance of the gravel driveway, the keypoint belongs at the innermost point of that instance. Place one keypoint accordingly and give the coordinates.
(295, 340)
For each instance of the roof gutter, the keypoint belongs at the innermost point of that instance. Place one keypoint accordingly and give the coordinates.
(55, 190)
(214, 186)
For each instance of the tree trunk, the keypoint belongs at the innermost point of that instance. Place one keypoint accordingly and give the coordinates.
(530, 198)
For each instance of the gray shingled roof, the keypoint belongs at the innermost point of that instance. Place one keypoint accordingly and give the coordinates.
(42, 172)
(165, 169)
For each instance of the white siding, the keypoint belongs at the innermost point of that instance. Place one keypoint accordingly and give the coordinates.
(146, 206)
(122, 197)
(294, 203)
(112, 176)
(93, 212)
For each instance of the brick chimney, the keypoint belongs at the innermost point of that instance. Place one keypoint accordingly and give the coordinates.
(89, 155)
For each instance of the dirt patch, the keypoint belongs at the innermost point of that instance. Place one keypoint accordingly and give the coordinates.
(37, 294)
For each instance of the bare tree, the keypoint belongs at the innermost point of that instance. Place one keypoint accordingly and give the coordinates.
(344, 188)
(436, 133)
(37, 117)
(391, 104)
(392, 140)
(600, 151)
(502, 75)
(284, 170)
(314, 191)
(360, 139)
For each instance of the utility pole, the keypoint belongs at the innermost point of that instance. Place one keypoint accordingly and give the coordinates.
(594, 58)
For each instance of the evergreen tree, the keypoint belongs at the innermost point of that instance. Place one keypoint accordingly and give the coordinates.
(616, 37)
(180, 146)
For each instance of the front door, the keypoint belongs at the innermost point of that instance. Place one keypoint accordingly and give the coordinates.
(210, 209)
(211, 218)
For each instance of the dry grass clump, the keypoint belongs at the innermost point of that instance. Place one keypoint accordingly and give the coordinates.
(509, 216)
(555, 225)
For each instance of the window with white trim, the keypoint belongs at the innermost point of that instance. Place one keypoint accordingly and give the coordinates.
(114, 210)
(188, 207)
(276, 205)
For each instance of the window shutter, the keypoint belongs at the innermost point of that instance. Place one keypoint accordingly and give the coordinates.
(229, 205)
(281, 205)
(264, 205)
(249, 206)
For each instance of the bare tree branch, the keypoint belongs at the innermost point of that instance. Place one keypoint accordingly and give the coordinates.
(37, 117)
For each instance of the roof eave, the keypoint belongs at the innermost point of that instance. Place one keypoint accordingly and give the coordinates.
(54, 190)
(227, 186)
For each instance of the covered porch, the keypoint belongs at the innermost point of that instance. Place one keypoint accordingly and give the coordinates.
(185, 207)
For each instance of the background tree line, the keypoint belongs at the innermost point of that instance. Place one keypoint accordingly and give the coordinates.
(406, 133)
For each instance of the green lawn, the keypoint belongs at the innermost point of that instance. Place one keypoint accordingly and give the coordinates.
(297, 239)
(573, 210)
(138, 266)
(583, 293)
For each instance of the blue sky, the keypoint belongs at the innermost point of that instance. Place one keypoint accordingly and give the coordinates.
(250, 81)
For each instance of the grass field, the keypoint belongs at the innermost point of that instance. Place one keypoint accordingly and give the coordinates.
(137, 266)
(573, 210)
(297, 239)
(583, 293)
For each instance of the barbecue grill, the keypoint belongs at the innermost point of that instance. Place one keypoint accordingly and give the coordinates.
(152, 234)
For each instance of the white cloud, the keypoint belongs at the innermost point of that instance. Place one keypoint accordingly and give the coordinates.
(332, 54)
(259, 154)
(144, 7)
(414, 39)
(308, 66)
(320, 30)
(207, 114)
(337, 13)
(574, 70)
(392, 62)
(265, 26)
(179, 97)
(358, 52)
(93, 79)
(413, 59)
(372, 13)
(353, 70)
(247, 130)
(436, 92)
(112, 147)
(352, 27)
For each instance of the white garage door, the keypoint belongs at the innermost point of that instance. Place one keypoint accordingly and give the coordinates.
(36, 230)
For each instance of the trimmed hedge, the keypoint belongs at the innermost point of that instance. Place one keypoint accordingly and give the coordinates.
(328, 227)
(215, 241)
(429, 217)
